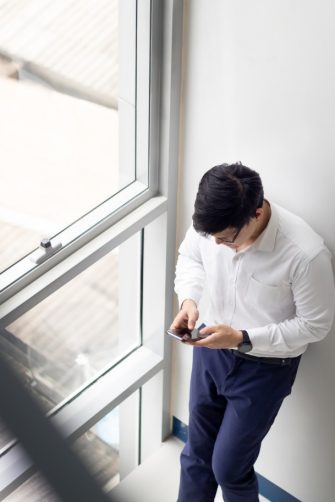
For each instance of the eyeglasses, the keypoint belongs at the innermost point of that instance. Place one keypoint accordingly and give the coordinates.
(229, 241)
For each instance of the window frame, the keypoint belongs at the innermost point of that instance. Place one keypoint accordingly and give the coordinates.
(145, 184)
(154, 211)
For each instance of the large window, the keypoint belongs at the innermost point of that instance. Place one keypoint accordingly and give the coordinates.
(81, 330)
(83, 316)
(70, 80)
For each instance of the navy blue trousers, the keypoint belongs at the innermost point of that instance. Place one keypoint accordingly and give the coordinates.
(233, 403)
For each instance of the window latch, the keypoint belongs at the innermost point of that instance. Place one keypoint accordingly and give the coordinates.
(47, 248)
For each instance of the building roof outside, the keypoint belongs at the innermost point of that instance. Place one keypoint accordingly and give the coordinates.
(70, 44)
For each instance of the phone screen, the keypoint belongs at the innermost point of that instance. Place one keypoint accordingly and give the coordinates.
(180, 333)
(185, 334)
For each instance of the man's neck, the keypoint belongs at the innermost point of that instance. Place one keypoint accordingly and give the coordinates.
(263, 222)
(265, 218)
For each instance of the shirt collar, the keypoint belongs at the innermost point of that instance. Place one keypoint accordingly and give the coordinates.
(266, 240)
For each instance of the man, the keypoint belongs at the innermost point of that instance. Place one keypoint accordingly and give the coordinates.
(271, 293)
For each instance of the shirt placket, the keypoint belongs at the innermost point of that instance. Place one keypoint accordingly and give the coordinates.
(232, 292)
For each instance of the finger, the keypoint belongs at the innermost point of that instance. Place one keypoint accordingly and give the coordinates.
(208, 341)
(208, 330)
(202, 343)
(192, 320)
(187, 341)
(179, 321)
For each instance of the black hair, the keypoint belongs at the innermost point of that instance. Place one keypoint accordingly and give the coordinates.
(228, 196)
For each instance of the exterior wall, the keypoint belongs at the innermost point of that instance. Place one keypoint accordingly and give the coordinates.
(258, 87)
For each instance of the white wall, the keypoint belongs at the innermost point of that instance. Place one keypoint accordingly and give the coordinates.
(259, 86)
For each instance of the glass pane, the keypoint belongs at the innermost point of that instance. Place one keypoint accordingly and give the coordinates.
(67, 104)
(80, 330)
(35, 489)
(102, 449)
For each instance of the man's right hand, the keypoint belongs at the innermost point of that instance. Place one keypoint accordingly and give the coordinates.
(187, 316)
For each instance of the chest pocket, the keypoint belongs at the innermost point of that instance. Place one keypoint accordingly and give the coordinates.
(274, 302)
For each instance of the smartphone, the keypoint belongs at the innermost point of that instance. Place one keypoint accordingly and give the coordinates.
(185, 334)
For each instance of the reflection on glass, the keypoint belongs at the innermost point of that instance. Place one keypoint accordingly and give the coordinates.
(60, 121)
(80, 330)
(100, 448)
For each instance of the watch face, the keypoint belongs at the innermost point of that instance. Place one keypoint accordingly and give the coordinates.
(245, 347)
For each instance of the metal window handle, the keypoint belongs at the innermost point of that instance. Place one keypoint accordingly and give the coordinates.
(45, 243)
(47, 248)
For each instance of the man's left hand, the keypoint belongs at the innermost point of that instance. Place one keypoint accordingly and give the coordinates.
(219, 336)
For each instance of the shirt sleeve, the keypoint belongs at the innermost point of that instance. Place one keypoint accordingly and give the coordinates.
(190, 274)
(314, 296)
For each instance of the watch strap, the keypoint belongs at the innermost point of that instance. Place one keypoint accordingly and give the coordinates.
(245, 345)
(246, 338)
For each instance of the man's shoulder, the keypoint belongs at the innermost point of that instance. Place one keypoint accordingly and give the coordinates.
(297, 233)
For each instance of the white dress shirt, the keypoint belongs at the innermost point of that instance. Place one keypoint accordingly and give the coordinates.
(280, 289)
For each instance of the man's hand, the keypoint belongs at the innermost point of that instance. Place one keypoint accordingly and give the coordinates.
(187, 316)
(219, 336)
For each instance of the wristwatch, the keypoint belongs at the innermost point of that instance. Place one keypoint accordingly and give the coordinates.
(245, 345)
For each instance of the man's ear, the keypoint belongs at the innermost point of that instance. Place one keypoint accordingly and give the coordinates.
(259, 212)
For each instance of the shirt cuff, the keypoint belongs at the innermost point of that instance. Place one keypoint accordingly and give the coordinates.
(181, 299)
(260, 338)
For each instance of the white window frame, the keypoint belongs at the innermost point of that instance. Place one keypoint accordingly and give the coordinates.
(135, 96)
(155, 212)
